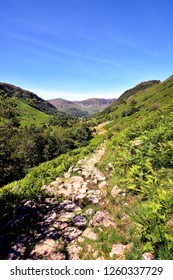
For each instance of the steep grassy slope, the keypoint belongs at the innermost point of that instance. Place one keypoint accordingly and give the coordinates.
(29, 115)
(19, 112)
(140, 153)
(24, 107)
(28, 97)
(136, 102)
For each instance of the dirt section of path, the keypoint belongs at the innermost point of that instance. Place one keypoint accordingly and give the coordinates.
(100, 128)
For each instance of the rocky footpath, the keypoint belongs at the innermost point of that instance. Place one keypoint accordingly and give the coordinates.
(55, 225)
(46, 228)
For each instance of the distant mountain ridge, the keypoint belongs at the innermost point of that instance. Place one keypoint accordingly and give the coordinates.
(81, 108)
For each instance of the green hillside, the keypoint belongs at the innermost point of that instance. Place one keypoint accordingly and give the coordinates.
(140, 153)
(28, 97)
(30, 115)
(136, 102)
(16, 110)
(24, 107)
(33, 131)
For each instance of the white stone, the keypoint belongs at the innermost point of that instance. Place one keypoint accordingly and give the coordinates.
(90, 234)
(102, 184)
(93, 199)
(89, 212)
(115, 191)
(148, 256)
(101, 218)
(119, 249)
(136, 143)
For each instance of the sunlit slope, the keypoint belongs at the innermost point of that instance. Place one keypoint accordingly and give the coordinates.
(139, 162)
(136, 103)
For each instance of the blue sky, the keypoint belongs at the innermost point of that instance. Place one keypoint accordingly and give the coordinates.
(77, 49)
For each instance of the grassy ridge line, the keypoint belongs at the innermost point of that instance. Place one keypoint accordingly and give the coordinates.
(30, 186)
(138, 105)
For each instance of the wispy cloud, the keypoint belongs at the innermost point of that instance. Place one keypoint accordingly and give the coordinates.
(69, 59)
